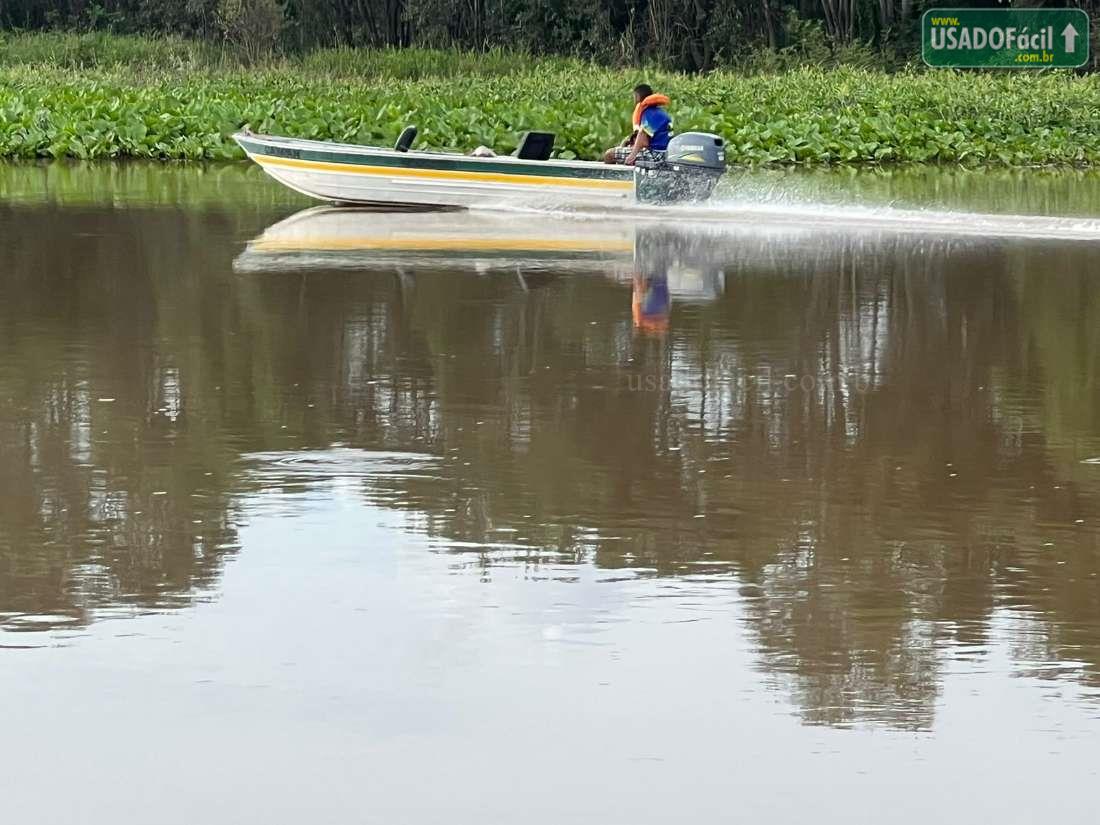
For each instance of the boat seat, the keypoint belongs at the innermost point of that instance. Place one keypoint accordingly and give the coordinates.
(535, 146)
(405, 139)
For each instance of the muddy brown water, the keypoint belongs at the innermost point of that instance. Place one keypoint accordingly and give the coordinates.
(340, 516)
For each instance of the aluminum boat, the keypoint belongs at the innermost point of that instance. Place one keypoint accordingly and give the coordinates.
(344, 173)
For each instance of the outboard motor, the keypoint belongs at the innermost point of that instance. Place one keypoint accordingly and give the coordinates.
(689, 172)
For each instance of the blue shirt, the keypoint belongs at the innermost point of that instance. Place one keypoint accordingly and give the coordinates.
(657, 123)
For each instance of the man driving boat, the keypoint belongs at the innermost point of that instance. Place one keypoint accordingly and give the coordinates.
(652, 129)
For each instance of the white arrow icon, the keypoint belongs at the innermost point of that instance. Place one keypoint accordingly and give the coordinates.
(1070, 35)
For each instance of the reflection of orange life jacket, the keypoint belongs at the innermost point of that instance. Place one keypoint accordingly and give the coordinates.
(656, 325)
(645, 319)
(652, 100)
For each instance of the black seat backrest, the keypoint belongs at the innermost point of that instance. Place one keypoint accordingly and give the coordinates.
(405, 139)
(535, 146)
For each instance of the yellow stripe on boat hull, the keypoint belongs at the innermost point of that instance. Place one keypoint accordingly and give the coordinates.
(321, 244)
(444, 174)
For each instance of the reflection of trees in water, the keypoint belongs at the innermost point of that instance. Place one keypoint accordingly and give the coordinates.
(912, 508)
(112, 495)
(863, 560)
(879, 504)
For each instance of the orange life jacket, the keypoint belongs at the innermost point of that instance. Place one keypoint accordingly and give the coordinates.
(652, 100)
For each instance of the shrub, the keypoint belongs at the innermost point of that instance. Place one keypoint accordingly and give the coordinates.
(252, 26)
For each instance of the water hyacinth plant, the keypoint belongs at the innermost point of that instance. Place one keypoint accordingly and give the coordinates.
(186, 104)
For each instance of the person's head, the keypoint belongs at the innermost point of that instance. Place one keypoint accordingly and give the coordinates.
(642, 91)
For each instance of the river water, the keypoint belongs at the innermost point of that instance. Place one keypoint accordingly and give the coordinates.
(783, 511)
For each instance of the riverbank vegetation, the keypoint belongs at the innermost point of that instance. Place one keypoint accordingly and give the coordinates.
(689, 36)
(98, 95)
(682, 35)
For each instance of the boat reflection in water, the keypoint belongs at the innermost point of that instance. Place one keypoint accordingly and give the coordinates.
(668, 264)
(351, 238)
(661, 263)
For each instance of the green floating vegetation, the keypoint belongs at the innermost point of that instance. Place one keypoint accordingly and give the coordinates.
(185, 104)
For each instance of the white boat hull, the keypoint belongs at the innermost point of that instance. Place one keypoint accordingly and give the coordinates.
(344, 173)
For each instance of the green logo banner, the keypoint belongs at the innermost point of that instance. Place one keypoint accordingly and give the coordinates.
(1005, 38)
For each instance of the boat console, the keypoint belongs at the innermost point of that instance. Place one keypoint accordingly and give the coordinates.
(535, 146)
